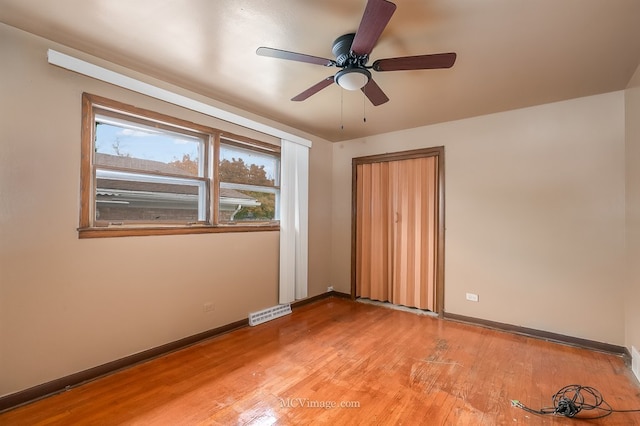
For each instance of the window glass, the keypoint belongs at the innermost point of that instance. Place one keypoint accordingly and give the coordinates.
(249, 184)
(138, 147)
(241, 165)
(247, 205)
(132, 197)
(143, 170)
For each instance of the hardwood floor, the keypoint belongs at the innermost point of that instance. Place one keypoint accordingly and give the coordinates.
(346, 363)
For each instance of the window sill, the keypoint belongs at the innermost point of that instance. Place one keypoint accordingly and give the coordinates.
(124, 231)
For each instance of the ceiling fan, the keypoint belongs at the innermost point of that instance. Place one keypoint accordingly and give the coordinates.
(352, 54)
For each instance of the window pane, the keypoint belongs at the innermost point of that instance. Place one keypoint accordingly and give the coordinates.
(245, 166)
(138, 147)
(242, 205)
(124, 197)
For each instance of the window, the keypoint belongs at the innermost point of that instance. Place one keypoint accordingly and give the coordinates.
(249, 182)
(144, 173)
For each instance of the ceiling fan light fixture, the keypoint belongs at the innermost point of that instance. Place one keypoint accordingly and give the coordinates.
(353, 78)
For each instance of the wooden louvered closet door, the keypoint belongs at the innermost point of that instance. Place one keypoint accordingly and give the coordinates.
(396, 228)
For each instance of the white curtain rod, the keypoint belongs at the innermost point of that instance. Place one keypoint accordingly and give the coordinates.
(121, 80)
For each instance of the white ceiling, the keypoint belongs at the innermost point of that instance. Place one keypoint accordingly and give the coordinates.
(511, 53)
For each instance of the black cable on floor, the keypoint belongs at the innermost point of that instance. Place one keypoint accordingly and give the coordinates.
(572, 400)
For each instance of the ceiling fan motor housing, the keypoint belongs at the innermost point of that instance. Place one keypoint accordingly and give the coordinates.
(353, 74)
(342, 50)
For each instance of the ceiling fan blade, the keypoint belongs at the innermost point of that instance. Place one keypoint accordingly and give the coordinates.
(374, 93)
(374, 20)
(421, 62)
(313, 89)
(292, 56)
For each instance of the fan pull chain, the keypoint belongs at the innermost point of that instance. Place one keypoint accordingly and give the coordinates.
(341, 109)
(364, 104)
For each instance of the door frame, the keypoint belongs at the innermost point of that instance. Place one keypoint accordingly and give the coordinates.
(437, 152)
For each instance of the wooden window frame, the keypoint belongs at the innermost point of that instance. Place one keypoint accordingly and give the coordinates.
(87, 223)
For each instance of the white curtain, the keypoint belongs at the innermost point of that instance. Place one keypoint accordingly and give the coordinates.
(294, 200)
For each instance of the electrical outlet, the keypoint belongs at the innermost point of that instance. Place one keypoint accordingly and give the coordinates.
(472, 297)
(208, 307)
(330, 288)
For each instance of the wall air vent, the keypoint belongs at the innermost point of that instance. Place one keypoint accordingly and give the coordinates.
(268, 314)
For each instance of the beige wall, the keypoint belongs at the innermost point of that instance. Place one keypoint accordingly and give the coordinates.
(534, 214)
(632, 307)
(68, 304)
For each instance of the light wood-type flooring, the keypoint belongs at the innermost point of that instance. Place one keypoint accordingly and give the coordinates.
(341, 362)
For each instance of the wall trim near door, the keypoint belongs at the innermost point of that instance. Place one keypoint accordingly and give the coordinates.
(62, 384)
(308, 300)
(544, 335)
